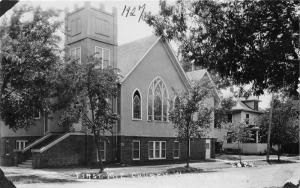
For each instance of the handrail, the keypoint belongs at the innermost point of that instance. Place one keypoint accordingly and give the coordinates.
(41, 150)
(36, 142)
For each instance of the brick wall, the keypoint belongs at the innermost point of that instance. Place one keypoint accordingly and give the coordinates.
(75, 150)
(7, 158)
(125, 144)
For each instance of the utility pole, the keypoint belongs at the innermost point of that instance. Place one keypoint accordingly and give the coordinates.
(269, 129)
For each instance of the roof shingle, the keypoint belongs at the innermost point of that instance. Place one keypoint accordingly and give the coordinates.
(131, 53)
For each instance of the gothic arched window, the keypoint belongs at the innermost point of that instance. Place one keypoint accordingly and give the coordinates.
(136, 105)
(157, 101)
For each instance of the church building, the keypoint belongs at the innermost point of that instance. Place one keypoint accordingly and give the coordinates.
(150, 73)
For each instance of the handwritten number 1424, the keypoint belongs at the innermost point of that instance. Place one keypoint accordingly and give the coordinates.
(131, 11)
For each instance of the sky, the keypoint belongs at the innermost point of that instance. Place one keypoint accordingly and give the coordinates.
(129, 27)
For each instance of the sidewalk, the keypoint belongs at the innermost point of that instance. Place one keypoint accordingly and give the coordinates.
(26, 175)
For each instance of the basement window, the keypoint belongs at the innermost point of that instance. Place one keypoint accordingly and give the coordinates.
(176, 150)
(102, 151)
(20, 144)
(136, 150)
(157, 150)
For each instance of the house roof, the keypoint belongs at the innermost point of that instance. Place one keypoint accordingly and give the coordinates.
(197, 75)
(251, 98)
(130, 54)
(240, 106)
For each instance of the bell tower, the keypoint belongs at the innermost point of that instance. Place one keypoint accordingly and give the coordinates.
(89, 31)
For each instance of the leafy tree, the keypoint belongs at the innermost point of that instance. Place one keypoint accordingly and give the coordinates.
(222, 112)
(85, 93)
(285, 122)
(246, 42)
(190, 116)
(238, 132)
(29, 57)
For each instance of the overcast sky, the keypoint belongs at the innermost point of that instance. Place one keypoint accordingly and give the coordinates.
(129, 28)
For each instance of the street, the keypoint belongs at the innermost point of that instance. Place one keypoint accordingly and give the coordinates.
(258, 177)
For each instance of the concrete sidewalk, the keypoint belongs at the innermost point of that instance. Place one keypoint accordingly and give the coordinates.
(65, 175)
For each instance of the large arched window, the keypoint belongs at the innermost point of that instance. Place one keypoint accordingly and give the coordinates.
(136, 105)
(157, 101)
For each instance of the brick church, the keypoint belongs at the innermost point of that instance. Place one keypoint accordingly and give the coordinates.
(143, 135)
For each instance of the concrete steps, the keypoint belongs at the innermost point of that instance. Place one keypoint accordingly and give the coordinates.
(26, 164)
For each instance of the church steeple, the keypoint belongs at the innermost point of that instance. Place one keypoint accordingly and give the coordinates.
(90, 30)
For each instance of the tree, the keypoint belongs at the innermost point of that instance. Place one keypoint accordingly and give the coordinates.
(29, 55)
(190, 115)
(285, 122)
(246, 42)
(238, 132)
(85, 92)
(222, 112)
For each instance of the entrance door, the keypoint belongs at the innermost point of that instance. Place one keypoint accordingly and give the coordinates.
(207, 148)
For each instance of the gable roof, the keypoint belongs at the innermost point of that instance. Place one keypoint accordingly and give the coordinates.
(131, 53)
(197, 75)
(240, 106)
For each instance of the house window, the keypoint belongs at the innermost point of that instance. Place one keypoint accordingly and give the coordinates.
(36, 114)
(157, 101)
(20, 144)
(76, 54)
(136, 150)
(247, 118)
(229, 138)
(102, 151)
(229, 118)
(6, 147)
(115, 107)
(157, 149)
(176, 150)
(136, 105)
(75, 26)
(102, 54)
(101, 27)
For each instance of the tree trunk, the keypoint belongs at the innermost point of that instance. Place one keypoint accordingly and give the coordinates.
(96, 139)
(188, 145)
(100, 164)
(188, 153)
(278, 152)
(239, 152)
(269, 130)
